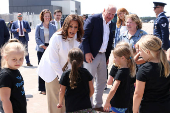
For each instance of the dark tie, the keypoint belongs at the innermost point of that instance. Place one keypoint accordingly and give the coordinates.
(21, 28)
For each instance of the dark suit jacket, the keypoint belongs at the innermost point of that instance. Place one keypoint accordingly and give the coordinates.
(15, 26)
(4, 33)
(93, 36)
(53, 22)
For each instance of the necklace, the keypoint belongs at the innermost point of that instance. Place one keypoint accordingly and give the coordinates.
(45, 25)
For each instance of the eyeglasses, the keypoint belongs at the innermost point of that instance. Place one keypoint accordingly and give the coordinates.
(156, 7)
(20, 16)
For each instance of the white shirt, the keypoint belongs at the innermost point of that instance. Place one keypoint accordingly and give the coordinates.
(55, 57)
(123, 29)
(106, 33)
(46, 35)
(56, 24)
(22, 28)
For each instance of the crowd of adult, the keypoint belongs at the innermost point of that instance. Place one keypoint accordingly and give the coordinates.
(62, 66)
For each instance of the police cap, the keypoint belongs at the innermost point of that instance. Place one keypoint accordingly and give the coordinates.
(158, 4)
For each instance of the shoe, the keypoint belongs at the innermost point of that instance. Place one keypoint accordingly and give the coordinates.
(99, 109)
(28, 64)
(43, 92)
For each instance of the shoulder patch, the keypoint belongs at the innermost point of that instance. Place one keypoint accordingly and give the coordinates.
(163, 25)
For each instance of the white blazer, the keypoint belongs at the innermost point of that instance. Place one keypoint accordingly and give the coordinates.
(55, 57)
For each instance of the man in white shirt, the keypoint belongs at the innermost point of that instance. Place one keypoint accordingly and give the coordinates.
(20, 30)
(57, 19)
(96, 46)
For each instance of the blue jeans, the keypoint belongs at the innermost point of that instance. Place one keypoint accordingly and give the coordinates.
(118, 110)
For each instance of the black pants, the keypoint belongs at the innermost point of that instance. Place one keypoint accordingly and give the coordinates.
(41, 82)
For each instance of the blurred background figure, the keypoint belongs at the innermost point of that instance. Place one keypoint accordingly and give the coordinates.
(20, 29)
(57, 19)
(43, 33)
(120, 25)
(161, 24)
(9, 28)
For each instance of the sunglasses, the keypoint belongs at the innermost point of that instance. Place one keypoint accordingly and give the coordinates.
(156, 7)
(20, 16)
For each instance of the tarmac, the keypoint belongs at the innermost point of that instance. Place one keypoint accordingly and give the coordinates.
(37, 103)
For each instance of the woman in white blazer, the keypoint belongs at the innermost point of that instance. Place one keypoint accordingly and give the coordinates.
(55, 57)
(43, 33)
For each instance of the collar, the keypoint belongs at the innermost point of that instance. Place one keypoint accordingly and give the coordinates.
(161, 13)
(135, 35)
(21, 21)
(105, 20)
(56, 21)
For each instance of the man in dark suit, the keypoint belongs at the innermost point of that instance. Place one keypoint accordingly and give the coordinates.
(96, 46)
(20, 30)
(57, 19)
(4, 34)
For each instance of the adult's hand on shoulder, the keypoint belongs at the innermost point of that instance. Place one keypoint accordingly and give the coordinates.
(89, 57)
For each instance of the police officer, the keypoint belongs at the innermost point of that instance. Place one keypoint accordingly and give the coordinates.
(161, 24)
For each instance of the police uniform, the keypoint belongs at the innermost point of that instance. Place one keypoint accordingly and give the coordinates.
(161, 27)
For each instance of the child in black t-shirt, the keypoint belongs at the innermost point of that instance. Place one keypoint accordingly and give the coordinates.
(12, 92)
(119, 96)
(76, 85)
(152, 79)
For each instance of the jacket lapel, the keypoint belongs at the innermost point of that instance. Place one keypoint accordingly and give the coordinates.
(101, 23)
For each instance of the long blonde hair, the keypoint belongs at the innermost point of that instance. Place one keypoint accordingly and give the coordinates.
(154, 45)
(11, 45)
(125, 51)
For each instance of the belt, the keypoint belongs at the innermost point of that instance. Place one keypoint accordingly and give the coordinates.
(101, 52)
(21, 36)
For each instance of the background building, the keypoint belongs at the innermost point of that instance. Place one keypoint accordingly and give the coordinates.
(36, 6)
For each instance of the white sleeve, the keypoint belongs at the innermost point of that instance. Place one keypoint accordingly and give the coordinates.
(49, 67)
(53, 49)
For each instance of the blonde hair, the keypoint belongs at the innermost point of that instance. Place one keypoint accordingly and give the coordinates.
(118, 19)
(136, 19)
(11, 45)
(154, 45)
(127, 53)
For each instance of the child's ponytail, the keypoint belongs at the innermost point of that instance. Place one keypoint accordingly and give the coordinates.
(76, 59)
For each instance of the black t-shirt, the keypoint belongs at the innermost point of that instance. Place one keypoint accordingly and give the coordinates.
(122, 96)
(156, 97)
(113, 71)
(13, 79)
(78, 98)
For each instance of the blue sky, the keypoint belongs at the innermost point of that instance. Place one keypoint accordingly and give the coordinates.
(139, 7)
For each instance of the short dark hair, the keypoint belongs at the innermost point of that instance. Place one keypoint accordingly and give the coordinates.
(57, 11)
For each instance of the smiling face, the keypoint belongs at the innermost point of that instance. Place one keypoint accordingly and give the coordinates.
(72, 29)
(121, 15)
(131, 25)
(109, 14)
(14, 59)
(47, 17)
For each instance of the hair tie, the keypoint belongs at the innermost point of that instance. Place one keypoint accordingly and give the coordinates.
(130, 57)
(160, 48)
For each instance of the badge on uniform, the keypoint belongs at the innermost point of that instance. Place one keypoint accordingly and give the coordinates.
(163, 25)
